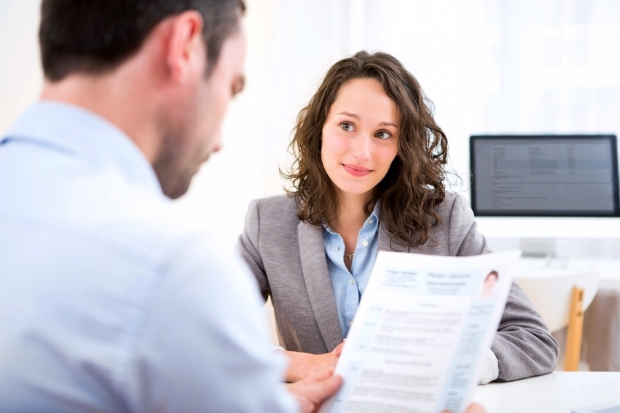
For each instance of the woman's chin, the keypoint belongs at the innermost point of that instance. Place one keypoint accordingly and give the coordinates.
(355, 190)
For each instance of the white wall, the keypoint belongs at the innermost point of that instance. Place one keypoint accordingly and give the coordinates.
(489, 66)
(20, 74)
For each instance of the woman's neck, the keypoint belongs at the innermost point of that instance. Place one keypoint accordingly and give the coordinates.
(350, 221)
(352, 215)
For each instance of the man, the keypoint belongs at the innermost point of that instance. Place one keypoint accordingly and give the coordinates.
(107, 303)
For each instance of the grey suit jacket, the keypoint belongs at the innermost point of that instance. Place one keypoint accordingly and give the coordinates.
(287, 256)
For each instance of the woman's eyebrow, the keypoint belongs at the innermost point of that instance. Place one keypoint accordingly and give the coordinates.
(388, 124)
(353, 115)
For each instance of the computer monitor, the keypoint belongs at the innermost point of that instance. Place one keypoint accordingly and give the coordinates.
(544, 175)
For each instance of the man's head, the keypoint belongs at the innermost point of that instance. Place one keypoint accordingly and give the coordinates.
(95, 36)
(186, 55)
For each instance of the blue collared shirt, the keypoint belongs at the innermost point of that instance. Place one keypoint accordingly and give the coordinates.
(348, 286)
(108, 303)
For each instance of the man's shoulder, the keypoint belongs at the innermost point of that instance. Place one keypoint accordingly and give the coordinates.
(138, 223)
(152, 227)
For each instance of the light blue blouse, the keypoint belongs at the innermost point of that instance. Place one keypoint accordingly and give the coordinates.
(348, 286)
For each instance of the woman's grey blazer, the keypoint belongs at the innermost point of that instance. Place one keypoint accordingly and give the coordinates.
(287, 256)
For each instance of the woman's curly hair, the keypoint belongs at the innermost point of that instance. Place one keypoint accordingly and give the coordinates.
(414, 183)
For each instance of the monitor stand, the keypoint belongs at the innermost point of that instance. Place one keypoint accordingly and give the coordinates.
(537, 248)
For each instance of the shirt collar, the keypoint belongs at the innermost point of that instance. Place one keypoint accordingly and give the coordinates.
(83, 133)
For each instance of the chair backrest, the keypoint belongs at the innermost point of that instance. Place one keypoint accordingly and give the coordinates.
(550, 290)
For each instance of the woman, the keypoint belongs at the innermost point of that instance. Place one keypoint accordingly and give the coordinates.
(368, 176)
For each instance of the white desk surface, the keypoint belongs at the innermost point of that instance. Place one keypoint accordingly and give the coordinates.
(608, 269)
(549, 227)
(609, 272)
(558, 392)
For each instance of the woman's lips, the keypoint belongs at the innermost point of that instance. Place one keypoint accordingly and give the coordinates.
(356, 170)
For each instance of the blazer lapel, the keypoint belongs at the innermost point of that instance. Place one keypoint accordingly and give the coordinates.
(318, 284)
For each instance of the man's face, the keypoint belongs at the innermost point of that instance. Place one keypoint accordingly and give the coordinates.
(193, 128)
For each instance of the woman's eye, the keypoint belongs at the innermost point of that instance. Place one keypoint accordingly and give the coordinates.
(346, 126)
(383, 134)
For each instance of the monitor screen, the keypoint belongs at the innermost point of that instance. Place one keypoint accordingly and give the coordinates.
(544, 175)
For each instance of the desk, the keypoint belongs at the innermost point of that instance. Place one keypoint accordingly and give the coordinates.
(558, 392)
(549, 227)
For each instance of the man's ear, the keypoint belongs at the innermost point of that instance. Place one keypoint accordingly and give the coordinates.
(186, 51)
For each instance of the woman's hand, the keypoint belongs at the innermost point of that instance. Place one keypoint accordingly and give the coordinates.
(304, 365)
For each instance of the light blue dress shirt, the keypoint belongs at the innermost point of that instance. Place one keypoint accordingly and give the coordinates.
(107, 302)
(348, 286)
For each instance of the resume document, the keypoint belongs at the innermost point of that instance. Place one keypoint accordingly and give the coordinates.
(419, 336)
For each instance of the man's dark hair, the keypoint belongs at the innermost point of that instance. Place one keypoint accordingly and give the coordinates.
(95, 36)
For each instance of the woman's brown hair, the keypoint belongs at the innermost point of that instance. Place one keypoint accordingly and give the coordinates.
(413, 185)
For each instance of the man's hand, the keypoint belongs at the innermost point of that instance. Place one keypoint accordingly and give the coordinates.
(303, 365)
(312, 391)
(473, 408)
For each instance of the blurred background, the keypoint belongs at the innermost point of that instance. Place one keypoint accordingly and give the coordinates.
(489, 66)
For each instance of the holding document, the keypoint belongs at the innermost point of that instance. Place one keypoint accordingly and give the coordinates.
(420, 333)
(368, 176)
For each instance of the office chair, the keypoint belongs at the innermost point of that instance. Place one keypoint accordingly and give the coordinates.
(561, 295)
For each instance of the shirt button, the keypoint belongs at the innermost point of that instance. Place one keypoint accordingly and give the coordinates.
(370, 221)
(365, 243)
(350, 322)
(352, 281)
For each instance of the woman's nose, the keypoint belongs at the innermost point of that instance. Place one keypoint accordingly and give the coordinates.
(362, 148)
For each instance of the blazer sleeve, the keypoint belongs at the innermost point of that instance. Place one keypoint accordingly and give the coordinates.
(248, 248)
(523, 344)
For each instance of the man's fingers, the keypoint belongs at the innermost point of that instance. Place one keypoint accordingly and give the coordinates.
(475, 408)
(310, 394)
(321, 376)
(321, 390)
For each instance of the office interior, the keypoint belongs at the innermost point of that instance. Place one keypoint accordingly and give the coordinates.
(488, 66)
